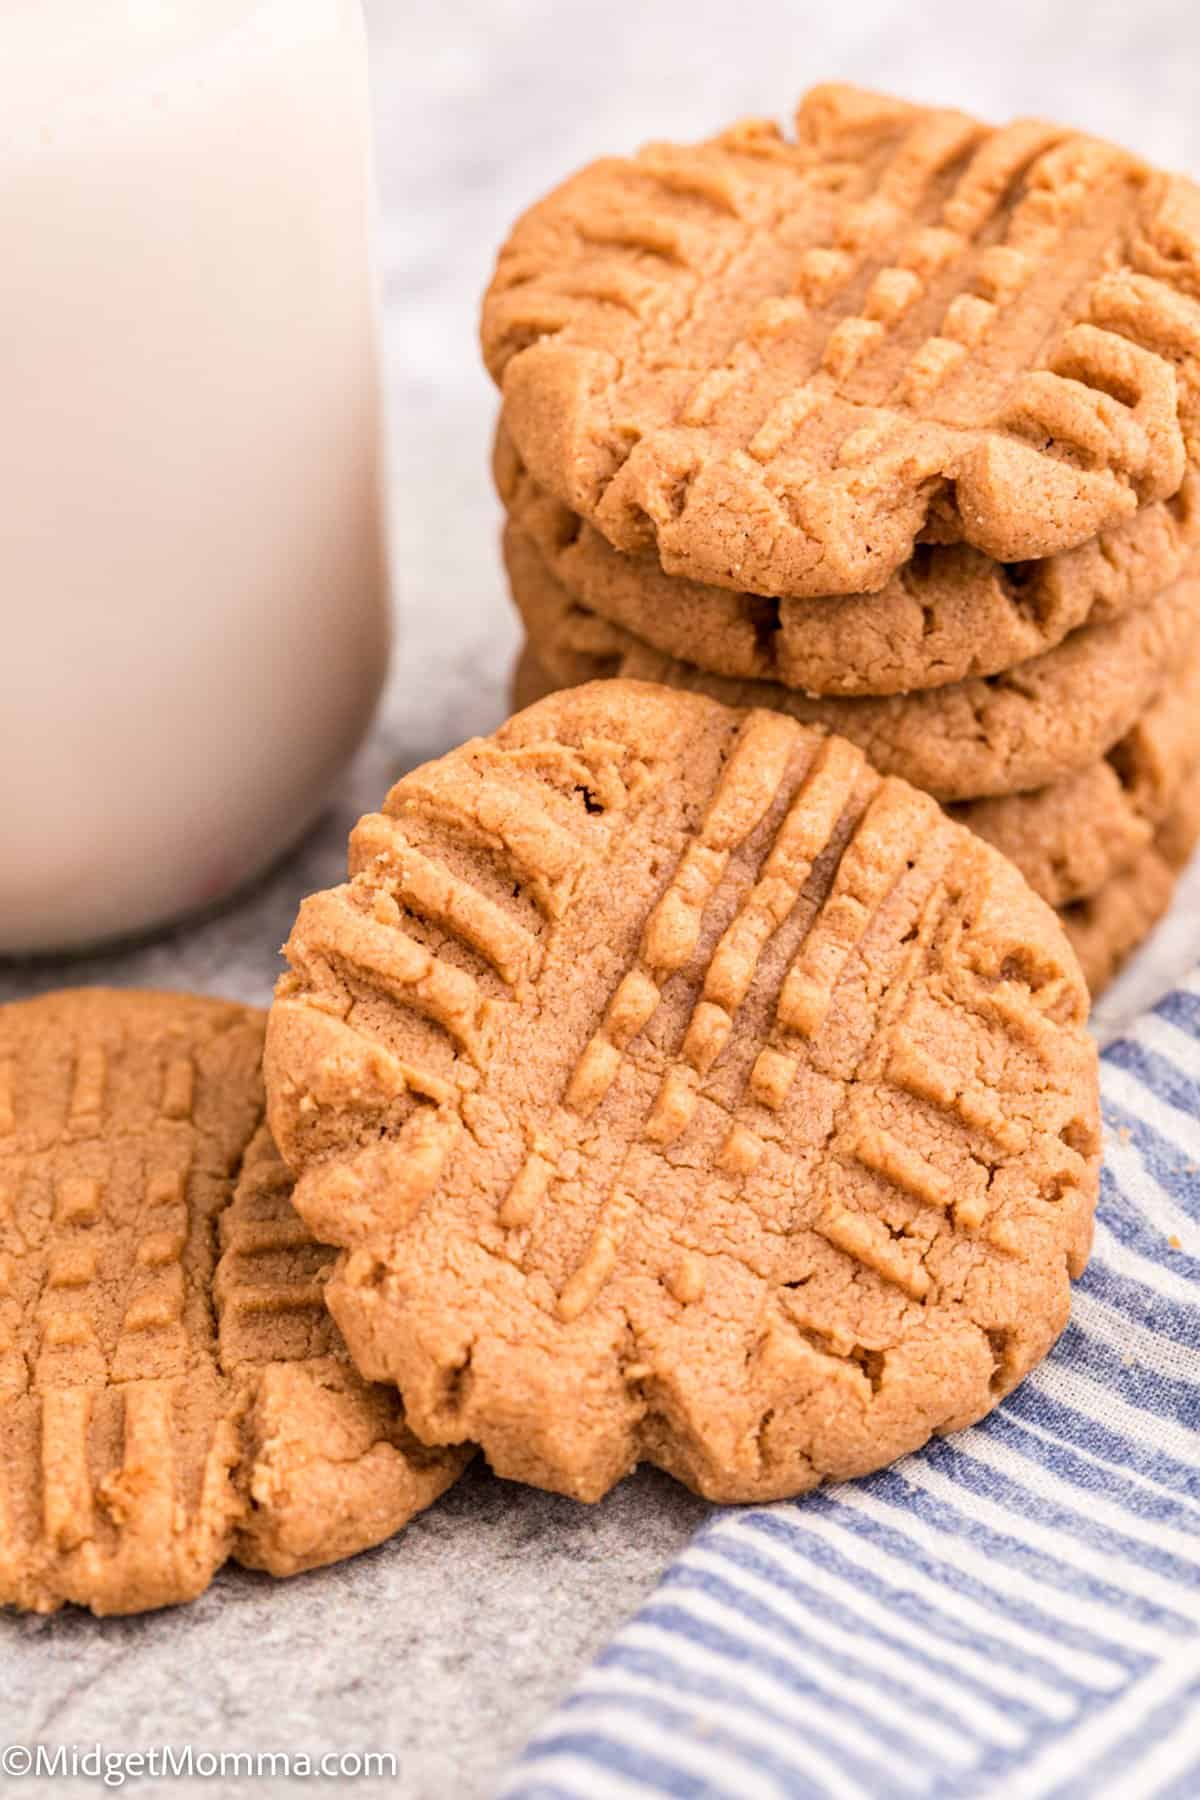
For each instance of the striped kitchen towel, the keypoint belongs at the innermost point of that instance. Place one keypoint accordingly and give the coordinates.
(1012, 1612)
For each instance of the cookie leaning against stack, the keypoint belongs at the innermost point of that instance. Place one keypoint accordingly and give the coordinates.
(174, 1392)
(778, 416)
(678, 1089)
(1103, 846)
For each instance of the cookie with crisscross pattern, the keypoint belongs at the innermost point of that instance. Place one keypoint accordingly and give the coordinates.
(174, 1392)
(780, 364)
(677, 1088)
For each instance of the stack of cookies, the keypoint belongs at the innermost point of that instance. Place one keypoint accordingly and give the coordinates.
(671, 1081)
(893, 427)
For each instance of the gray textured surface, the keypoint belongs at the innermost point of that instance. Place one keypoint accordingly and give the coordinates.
(448, 1645)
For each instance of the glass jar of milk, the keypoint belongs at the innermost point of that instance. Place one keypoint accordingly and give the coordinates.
(193, 605)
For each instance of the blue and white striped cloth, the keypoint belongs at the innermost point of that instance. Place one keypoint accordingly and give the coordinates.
(1011, 1612)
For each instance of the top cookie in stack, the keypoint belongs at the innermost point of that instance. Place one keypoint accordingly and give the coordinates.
(894, 425)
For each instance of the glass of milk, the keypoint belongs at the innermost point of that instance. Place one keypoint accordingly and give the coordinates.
(193, 597)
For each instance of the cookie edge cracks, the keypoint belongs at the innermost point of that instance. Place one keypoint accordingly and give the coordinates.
(363, 1267)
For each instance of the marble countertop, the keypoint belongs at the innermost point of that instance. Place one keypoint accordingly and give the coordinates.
(447, 1646)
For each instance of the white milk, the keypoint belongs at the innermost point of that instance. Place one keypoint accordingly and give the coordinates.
(193, 612)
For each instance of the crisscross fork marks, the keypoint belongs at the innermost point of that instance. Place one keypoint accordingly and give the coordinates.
(929, 323)
(656, 1275)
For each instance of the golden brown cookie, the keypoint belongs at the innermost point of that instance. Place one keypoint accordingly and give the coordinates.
(949, 614)
(1106, 929)
(1071, 838)
(529, 681)
(677, 1089)
(163, 1410)
(1005, 734)
(781, 365)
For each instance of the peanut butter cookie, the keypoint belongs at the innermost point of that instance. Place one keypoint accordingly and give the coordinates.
(780, 364)
(1026, 728)
(1110, 926)
(1069, 839)
(676, 1088)
(167, 1406)
(949, 614)
(529, 682)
